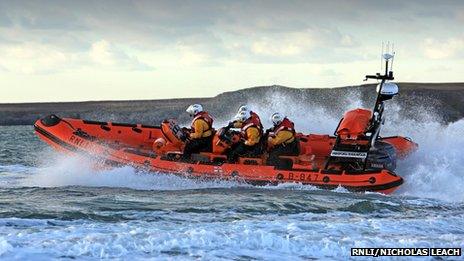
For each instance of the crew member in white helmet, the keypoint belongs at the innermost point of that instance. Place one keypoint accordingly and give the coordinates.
(253, 114)
(200, 135)
(250, 136)
(282, 140)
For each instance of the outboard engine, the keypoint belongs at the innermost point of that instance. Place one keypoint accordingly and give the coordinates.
(383, 156)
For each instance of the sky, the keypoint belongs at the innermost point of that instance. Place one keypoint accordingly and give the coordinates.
(123, 50)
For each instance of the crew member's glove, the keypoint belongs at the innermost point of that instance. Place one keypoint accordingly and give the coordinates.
(269, 140)
(230, 125)
(266, 133)
(184, 137)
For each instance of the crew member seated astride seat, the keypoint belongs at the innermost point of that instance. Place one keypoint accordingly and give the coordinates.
(200, 136)
(250, 136)
(282, 140)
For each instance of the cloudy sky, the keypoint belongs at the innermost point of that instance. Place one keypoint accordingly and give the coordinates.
(112, 50)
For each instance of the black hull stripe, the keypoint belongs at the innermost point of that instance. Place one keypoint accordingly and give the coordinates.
(54, 139)
(71, 148)
(373, 188)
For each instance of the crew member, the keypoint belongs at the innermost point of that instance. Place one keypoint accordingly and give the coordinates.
(252, 113)
(201, 131)
(250, 136)
(282, 140)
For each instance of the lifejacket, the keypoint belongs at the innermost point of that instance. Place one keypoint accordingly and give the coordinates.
(203, 115)
(253, 121)
(286, 125)
(254, 115)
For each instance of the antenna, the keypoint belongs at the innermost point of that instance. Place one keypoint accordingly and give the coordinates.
(381, 59)
(393, 58)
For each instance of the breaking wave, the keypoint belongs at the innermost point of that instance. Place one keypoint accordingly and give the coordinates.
(436, 170)
(78, 171)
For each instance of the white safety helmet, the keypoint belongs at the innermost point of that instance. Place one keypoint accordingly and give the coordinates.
(277, 118)
(194, 109)
(244, 108)
(242, 116)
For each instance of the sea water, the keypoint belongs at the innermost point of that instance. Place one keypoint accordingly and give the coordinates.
(53, 206)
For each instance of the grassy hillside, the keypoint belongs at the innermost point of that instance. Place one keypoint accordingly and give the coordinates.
(445, 100)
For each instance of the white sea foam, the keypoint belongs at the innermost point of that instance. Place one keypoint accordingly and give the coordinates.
(4, 246)
(436, 170)
(272, 237)
(77, 171)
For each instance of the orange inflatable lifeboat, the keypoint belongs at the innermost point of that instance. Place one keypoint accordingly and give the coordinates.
(355, 157)
(119, 144)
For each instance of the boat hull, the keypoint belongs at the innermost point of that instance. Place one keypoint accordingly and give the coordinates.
(108, 143)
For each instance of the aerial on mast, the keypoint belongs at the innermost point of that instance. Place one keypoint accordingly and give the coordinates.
(385, 90)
